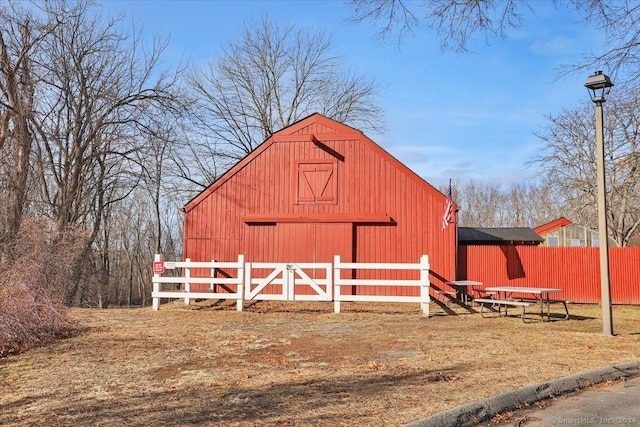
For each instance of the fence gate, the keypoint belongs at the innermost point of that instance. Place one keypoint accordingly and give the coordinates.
(289, 281)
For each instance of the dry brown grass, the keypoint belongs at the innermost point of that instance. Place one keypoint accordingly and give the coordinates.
(295, 364)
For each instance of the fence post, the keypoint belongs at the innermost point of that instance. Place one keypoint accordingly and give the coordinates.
(247, 280)
(336, 283)
(187, 283)
(288, 281)
(213, 287)
(156, 285)
(241, 279)
(330, 282)
(424, 285)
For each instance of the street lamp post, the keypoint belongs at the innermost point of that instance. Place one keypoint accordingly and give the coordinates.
(599, 85)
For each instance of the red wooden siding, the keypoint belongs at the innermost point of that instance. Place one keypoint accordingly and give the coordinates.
(575, 270)
(319, 189)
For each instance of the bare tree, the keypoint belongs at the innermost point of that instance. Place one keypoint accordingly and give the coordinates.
(456, 22)
(531, 203)
(20, 35)
(620, 22)
(272, 77)
(100, 92)
(88, 124)
(489, 204)
(479, 203)
(568, 160)
(86, 96)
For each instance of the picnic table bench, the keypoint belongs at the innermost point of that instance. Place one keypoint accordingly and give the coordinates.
(503, 303)
(450, 294)
(564, 303)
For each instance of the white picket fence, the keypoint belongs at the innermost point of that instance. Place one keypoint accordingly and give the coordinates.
(249, 285)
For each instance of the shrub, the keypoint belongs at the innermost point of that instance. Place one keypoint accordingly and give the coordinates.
(33, 283)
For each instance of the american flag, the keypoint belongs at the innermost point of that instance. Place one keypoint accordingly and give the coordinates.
(448, 210)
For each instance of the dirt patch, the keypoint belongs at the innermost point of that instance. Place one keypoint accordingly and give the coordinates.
(295, 364)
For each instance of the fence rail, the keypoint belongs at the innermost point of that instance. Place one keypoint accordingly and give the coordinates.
(286, 278)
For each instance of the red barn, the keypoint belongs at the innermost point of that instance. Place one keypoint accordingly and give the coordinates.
(316, 189)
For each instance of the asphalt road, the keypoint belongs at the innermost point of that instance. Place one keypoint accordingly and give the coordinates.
(614, 405)
(612, 400)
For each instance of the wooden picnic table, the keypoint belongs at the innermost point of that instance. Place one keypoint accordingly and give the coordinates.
(462, 288)
(540, 295)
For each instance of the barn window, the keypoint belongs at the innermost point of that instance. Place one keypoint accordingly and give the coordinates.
(316, 182)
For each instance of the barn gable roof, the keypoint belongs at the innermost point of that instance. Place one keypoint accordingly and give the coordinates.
(498, 236)
(299, 131)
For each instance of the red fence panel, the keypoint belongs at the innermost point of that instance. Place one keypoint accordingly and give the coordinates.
(575, 270)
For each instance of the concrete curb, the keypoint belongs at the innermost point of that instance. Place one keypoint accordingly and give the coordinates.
(476, 412)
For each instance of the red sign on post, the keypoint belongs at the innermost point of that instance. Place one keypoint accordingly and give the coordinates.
(158, 267)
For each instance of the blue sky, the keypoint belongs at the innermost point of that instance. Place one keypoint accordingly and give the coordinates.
(448, 115)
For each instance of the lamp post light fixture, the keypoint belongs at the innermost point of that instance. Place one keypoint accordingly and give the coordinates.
(600, 85)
